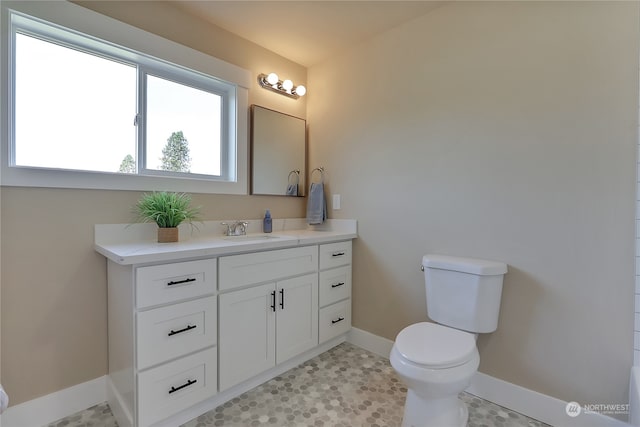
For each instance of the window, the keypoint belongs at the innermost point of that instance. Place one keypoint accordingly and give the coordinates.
(191, 118)
(80, 106)
(73, 110)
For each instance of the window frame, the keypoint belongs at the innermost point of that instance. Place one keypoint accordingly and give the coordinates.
(66, 23)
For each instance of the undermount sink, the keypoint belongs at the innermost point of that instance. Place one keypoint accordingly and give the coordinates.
(250, 237)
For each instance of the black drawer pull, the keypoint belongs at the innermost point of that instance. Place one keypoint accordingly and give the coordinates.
(339, 319)
(337, 254)
(335, 285)
(187, 384)
(273, 301)
(188, 328)
(282, 298)
(191, 279)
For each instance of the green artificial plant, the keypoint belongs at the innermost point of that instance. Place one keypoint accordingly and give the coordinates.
(167, 209)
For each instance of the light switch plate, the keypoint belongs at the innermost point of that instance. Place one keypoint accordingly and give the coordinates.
(336, 202)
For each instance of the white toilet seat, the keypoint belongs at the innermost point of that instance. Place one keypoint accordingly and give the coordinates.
(434, 346)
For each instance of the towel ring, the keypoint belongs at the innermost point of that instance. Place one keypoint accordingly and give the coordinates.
(295, 172)
(321, 170)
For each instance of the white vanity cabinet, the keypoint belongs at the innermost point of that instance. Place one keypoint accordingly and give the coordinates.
(162, 339)
(335, 290)
(264, 324)
(196, 323)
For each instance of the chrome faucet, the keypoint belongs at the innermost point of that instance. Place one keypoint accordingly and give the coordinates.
(238, 228)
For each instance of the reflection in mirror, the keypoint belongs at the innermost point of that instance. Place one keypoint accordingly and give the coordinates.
(278, 153)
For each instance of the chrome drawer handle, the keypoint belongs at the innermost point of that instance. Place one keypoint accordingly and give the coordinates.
(337, 254)
(179, 331)
(187, 384)
(335, 285)
(339, 319)
(171, 283)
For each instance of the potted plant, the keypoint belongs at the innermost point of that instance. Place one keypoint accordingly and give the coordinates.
(167, 210)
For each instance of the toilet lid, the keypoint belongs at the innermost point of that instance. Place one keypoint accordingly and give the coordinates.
(434, 345)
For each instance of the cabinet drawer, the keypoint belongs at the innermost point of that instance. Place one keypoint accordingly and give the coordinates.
(335, 285)
(334, 320)
(160, 284)
(175, 330)
(335, 254)
(247, 269)
(170, 388)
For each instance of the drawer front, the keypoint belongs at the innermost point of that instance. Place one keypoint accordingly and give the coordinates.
(335, 285)
(334, 320)
(247, 269)
(172, 331)
(172, 387)
(166, 283)
(335, 255)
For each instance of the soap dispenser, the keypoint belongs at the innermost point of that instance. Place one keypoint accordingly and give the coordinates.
(266, 222)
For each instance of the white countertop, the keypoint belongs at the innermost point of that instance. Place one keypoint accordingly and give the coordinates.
(137, 243)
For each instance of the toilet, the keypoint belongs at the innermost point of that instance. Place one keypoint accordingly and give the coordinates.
(437, 361)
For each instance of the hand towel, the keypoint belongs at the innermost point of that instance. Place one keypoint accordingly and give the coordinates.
(316, 204)
(292, 190)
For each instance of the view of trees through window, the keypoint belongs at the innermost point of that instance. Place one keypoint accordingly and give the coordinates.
(128, 165)
(175, 156)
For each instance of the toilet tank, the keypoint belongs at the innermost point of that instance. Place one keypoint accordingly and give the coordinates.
(463, 293)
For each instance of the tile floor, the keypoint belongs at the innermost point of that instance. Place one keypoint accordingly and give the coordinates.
(344, 387)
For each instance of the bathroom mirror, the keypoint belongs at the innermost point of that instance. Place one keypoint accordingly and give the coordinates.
(278, 153)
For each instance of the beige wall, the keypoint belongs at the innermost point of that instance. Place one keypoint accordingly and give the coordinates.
(54, 330)
(505, 131)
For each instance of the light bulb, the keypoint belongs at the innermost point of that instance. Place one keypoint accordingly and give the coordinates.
(287, 85)
(272, 78)
(301, 90)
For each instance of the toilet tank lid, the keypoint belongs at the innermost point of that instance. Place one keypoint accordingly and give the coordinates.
(480, 267)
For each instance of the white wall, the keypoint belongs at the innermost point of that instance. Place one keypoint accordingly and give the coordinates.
(505, 131)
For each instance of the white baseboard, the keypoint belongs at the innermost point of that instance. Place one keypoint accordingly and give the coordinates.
(535, 405)
(370, 342)
(52, 407)
(527, 402)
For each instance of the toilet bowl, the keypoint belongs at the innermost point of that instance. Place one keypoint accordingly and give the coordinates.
(436, 363)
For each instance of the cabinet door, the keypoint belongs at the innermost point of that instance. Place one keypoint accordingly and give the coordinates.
(247, 334)
(297, 316)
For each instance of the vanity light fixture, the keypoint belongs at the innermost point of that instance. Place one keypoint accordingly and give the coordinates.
(286, 87)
